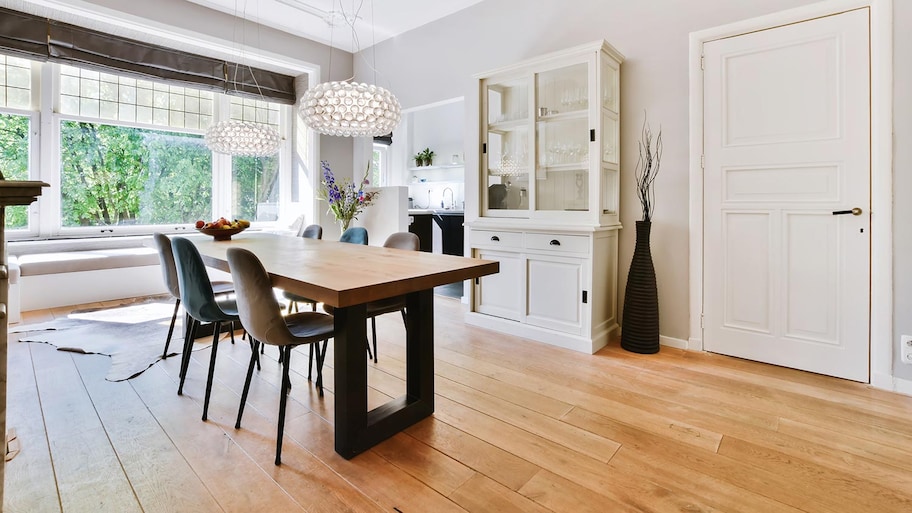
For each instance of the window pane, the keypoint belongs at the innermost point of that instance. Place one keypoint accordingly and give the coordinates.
(14, 161)
(114, 175)
(15, 82)
(255, 188)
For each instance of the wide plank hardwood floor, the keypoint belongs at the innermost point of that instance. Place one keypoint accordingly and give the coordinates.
(519, 426)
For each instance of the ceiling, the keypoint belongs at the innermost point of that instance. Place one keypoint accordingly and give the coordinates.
(328, 21)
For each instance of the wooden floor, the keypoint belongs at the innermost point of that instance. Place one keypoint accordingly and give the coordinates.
(519, 426)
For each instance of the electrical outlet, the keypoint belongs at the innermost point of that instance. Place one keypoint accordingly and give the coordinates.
(906, 348)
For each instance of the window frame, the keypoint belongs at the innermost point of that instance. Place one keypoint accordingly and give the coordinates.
(45, 220)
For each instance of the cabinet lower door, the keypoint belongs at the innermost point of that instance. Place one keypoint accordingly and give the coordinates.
(555, 296)
(501, 294)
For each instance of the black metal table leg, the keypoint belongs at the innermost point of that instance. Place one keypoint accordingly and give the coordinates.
(356, 429)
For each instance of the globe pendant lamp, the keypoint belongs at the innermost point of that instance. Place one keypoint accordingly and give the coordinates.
(243, 138)
(350, 109)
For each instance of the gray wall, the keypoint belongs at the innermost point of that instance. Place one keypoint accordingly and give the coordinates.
(437, 61)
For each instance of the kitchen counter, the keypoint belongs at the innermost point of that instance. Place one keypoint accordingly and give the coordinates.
(450, 222)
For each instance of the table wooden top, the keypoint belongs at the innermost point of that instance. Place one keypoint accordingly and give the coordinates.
(342, 274)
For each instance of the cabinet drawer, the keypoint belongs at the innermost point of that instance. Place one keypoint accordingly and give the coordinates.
(557, 242)
(496, 238)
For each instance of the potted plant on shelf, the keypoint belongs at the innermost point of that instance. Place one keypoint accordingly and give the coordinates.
(640, 324)
(428, 157)
(419, 159)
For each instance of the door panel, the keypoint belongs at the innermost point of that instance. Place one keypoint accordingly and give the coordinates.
(786, 142)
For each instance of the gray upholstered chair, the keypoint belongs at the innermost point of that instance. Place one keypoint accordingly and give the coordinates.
(169, 274)
(265, 324)
(399, 240)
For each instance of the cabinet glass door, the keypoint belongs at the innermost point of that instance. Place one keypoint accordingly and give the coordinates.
(608, 86)
(507, 156)
(562, 138)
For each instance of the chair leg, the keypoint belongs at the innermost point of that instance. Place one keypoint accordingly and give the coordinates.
(171, 328)
(189, 337)
(254, 352)
(253, 358)
(374, 335)
(231, 332)
(310, 360)
(215, 337)
(283, 400)
(321, 356)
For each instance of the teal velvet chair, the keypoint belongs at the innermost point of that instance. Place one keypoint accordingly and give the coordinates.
(199, 301)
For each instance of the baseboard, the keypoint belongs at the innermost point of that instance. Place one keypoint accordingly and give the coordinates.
(673, 342)
(882, 381)
(901, 386)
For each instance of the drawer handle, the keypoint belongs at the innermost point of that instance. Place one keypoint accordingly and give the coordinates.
(554, 242)
(495, 238)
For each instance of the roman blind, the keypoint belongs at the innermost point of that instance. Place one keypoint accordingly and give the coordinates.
(38, 38)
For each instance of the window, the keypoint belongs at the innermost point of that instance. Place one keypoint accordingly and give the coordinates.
(15, 129)
(128, 155)
(255, 180)
(379, 174)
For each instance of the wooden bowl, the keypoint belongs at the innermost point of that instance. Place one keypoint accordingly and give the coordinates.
(221, 233)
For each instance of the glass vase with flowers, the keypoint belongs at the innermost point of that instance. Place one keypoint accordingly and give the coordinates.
(346, 199)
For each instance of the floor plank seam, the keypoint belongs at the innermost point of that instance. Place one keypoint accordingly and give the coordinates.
(46, 438)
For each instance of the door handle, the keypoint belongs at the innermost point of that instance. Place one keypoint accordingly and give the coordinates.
(855, 212)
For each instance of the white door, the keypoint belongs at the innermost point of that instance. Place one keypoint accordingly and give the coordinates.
(786, 142)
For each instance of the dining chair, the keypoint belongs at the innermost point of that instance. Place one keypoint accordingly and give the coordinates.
(354, 235)
(399, 240)
(169, 274)
(266, 325)
(199, 301)
(313, 231)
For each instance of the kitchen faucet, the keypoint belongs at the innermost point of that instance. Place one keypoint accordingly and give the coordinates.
(452, 198)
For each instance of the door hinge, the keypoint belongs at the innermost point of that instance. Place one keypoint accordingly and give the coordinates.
(585, 296)
(702, 62)
(701, 321)
(476, 281)
(484, 148)
(591, 135)
(702, 161)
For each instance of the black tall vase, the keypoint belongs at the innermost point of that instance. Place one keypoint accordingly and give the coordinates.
(640, 327)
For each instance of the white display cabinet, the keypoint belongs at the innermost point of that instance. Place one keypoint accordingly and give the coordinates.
(548, 198)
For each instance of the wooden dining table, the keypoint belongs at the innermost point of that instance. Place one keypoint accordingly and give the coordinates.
(346, 277)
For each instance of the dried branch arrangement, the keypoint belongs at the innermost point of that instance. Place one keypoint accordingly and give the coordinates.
(647, 168)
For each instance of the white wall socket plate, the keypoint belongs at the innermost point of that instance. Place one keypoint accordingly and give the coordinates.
(906, 349)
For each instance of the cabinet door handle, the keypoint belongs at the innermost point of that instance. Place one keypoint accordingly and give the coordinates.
(495, 238)
(554, 242)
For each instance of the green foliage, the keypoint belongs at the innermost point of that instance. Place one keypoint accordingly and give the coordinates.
(14, 161)
(114, 175)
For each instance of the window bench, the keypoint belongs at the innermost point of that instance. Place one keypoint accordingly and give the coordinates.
(48, 274)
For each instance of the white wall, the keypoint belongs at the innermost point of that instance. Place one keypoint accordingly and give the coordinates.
(437, 61)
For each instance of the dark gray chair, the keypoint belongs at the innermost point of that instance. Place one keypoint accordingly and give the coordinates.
(313, 231)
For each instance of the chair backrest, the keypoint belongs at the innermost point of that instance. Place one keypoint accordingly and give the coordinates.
(403, 240)
(166, 257)
(193, 280)
(260, 314)
(354, 235)
(313, 231)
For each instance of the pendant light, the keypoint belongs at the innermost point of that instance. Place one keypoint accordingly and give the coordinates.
(243, 138)
(350, 109)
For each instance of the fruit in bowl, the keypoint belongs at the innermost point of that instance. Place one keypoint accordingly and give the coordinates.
(221, 228)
